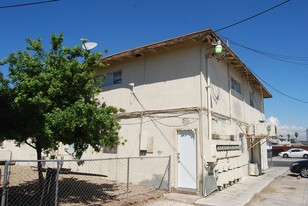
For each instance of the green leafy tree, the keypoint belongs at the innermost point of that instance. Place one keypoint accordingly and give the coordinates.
(49, 97)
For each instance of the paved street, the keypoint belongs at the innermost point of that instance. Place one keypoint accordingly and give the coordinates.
(282, 189)
(277, 186)
(283, 162)
(287, 189)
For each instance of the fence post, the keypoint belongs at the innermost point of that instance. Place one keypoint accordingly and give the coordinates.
(59, 163)
(5, 181)
(127, 186)
(169, 173)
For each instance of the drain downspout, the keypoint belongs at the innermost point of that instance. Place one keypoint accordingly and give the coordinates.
(208, 89)
(200, 150)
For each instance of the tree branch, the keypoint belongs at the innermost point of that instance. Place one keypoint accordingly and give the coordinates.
(30, 144)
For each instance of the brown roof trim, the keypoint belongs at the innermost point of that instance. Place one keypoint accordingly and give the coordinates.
(205, 35)
(132, 53)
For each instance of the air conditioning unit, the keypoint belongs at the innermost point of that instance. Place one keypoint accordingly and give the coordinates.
(210, 152)
(272, 130)
(253, 169)
(261, 130)
(250, 130)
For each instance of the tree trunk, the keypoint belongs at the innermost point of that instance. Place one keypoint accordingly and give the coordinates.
(39, 163)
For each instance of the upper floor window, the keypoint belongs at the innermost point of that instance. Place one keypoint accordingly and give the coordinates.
(112, 78)
(251, 99)
(235, 85)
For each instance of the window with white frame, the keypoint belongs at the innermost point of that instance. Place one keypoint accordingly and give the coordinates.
(112, 78)
(236, 86)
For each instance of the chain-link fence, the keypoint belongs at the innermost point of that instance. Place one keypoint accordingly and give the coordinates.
(114, 181)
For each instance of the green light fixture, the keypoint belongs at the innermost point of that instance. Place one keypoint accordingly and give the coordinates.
(218, 47)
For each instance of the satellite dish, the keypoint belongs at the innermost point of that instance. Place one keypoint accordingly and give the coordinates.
(89, 45)
(70, 150)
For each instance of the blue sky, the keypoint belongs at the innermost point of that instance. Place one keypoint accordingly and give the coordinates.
(123, 24)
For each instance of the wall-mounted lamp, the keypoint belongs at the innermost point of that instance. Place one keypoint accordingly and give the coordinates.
(218, 47)
(219, 51)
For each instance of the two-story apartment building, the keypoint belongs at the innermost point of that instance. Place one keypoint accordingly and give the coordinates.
(183, 99)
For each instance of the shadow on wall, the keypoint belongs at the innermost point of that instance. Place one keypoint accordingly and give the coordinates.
(157, 182)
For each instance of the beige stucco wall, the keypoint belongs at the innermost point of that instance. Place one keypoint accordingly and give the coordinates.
(162, 81)
(9, 150)
(177, 79)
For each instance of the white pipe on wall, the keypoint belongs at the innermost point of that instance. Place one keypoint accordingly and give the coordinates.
(208, 88)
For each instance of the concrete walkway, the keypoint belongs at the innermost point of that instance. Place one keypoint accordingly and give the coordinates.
(238, 194)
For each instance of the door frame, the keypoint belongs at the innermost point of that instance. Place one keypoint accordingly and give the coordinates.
(195, 156)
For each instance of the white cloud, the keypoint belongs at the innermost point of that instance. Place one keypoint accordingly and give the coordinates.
(284, 130)
(273, 120)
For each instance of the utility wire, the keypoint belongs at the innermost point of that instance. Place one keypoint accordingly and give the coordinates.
(299, 60)
(239, 22)
(284, 94)
(27, 4)
(278, 57)
(284, 58)
(268, 54)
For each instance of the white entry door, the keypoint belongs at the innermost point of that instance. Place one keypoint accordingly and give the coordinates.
(187, 159)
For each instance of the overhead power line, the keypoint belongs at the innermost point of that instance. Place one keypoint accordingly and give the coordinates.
(239, 22)
(280, 57)
(285, 58)
(27, 4)
(299, 60)
(282, 93)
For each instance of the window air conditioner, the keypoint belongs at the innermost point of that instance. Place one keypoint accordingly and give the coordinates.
(250, 130)
(210, 152)
(253, 169)
(272, 129)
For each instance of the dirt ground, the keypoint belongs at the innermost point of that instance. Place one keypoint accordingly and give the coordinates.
(73, 189)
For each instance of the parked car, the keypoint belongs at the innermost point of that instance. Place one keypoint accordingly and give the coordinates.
(301, 167)
(295, 152)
